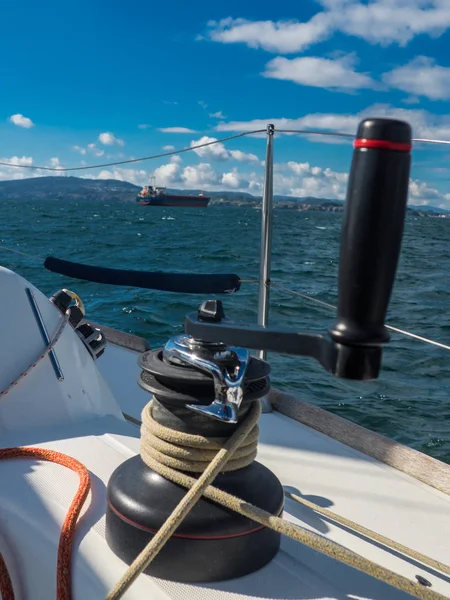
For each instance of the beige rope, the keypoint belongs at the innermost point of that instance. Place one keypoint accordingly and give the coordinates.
(188, 501)
(426, 560)
(201, 486)
(190, 453)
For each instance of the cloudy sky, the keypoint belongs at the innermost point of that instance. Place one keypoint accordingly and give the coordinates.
(95, 81)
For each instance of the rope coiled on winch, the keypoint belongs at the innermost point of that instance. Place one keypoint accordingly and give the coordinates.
(202, 487)
(161, 445)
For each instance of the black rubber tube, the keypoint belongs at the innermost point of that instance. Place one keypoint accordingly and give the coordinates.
(187, 283)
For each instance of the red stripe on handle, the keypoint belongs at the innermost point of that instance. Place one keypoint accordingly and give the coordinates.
(382, 145)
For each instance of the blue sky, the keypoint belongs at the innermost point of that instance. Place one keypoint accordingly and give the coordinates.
(89, 82)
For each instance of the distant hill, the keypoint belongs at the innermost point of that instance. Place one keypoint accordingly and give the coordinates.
(304, 199)
(430, 209)
(67, 188)
(102, 190)
(75, 188)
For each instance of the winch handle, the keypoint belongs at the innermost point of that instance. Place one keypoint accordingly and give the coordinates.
(372, 231)
(370, 248)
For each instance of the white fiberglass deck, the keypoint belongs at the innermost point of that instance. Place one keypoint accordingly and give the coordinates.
(84, 421)
(34, 503)
(333, 476)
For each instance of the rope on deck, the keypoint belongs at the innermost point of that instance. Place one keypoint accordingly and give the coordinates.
(202, 486)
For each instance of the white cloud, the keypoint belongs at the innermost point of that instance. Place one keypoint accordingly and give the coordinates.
(79, 149)
(327, 139)
(143, 126)
(424, 123)
(21, 121)
(217, 115)
(218, 152)
(235, 180)
(231, 180)
(205, 176)
(303, 179)
(168, 175)
(91, 149)
(377, 21)
(280, 36)
(168, 148)
(421, 77)
(291, 179)
(18, 160)
(328, 121)
(255, 186)
(244, 156)
(203, 104)
(390, 21)
(176, 130)
(299, 168)
(108, 139)
(319, 72)
(295, 179)
(136, 176)
(95, 150)
(15, 173)
(104, 174)
(422, 193)
(200, 175)
(213, 152)
(55, 164)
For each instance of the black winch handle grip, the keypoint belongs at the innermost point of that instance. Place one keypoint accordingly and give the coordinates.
(187, 283)
(374, 217)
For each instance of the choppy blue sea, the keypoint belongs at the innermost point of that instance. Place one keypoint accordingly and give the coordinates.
(410, 402)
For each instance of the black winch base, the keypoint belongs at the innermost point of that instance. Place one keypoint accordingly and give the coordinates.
(212, 543)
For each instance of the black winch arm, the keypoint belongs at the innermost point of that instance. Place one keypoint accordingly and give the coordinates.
(370, 247)
(187, 283)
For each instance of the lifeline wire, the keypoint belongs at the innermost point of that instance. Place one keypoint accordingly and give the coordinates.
(327, 305)
(135, 160)
(182, 150)
(22, 253)
(351, 135)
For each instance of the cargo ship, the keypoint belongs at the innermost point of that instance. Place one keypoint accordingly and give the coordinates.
(150, 195)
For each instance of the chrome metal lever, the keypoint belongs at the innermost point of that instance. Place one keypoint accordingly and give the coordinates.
(228, 378)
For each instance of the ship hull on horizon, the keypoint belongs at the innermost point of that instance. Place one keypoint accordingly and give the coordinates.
(175, 200)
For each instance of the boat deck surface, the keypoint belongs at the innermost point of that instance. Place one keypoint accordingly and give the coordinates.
(335, 476)
(332, 475)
